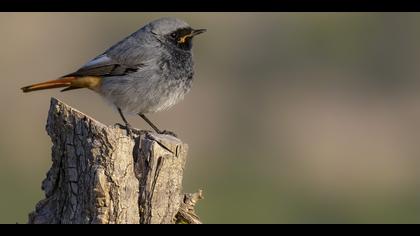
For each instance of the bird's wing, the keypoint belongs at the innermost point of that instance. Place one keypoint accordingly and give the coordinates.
(127, 56)
(105, 65)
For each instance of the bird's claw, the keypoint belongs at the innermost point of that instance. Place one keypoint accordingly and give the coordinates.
(129, 129)
(167, 132)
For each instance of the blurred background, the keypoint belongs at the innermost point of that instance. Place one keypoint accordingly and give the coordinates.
(293, 117)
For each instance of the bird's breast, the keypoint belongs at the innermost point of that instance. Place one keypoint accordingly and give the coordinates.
(153, 88)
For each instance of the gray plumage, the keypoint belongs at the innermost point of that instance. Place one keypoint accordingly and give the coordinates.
(149, 71)
(145, 72)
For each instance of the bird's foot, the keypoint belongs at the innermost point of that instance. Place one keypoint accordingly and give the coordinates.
(167, 132)
(129, 129)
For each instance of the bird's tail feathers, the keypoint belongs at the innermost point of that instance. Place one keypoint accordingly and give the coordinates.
(70, 82)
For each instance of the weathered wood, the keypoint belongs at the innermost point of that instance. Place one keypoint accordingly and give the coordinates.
(101, 175)
(186, 213)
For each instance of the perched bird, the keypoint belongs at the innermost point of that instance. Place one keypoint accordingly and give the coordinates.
(149, 71)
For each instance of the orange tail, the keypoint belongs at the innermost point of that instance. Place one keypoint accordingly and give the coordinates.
(58, 83)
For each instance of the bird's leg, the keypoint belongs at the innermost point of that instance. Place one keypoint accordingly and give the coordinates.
(155, 127)
(150, 123)
(127, 125)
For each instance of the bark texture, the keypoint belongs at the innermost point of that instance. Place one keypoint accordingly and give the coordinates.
(101, 175)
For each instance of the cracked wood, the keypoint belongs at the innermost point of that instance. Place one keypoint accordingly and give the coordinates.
(100, 175)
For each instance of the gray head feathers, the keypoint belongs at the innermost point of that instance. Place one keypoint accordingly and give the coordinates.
(166, 25)
(159, 27)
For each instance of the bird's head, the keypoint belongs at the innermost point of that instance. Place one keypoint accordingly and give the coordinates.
(174, 32)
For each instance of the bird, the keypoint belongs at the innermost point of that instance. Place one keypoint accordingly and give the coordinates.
(150, 70)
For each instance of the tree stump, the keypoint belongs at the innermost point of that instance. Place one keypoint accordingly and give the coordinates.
(100, 175)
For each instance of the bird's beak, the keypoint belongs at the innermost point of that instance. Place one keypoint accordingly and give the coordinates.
(191, 35)
(197, 32)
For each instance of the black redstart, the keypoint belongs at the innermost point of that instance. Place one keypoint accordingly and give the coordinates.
(149, 71)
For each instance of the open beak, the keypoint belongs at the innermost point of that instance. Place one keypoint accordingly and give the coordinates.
(197, 32)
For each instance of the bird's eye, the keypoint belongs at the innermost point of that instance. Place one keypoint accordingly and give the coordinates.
(173, 35)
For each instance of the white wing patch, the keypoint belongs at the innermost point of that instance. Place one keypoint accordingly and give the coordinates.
(101, 60)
